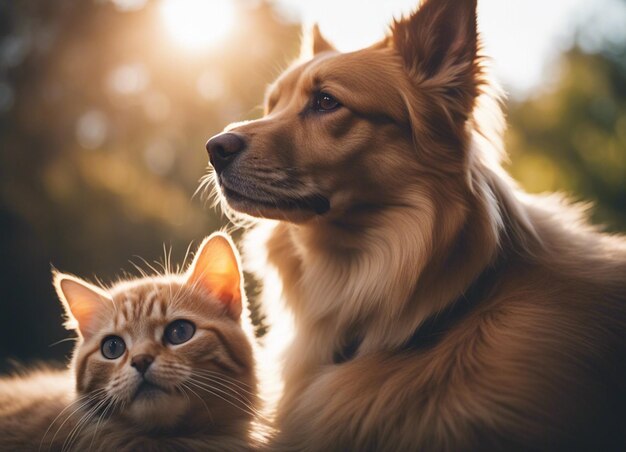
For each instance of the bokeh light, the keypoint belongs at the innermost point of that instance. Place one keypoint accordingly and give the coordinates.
(197, 24)
(92, 129)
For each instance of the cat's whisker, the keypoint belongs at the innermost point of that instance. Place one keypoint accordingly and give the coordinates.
(218, 378)
(179, 387)
(68, 406)
(200, 398)
(236, 395)
(212, 376)
(82, 421)
(68, 440)
(83, 401)
(232, 392)
(141, 271)
(67, 339)
(110, 404)
(182, 290)
(169, 289)
(187, 253)
(240, 406)
(178, 295)
(246, 408)
(165, 264)
(208, 372)
(170, 269)
(149, 265)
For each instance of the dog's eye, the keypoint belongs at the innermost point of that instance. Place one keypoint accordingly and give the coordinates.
(325, 102)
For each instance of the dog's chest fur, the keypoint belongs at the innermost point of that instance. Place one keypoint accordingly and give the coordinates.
(349, 364)
(344, 299)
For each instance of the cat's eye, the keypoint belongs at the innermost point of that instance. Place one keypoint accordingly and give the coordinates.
(113, 347)
(324, 102)
(179, 331)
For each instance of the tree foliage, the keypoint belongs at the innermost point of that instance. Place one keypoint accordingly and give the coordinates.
(572, 137)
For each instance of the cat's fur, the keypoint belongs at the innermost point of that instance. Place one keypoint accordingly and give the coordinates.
(208, 382)
(436, 306)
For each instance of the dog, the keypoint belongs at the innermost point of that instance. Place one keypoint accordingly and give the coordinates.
(436, 306)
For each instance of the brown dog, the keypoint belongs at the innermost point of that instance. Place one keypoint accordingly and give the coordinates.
(436, 306)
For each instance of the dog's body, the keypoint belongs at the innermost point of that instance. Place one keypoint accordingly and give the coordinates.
(536, 362)
(435, 306)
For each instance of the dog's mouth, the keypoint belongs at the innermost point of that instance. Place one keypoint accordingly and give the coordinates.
(271, 206)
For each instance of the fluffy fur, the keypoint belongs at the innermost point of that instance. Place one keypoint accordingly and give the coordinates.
(393, 209)
(206, 394)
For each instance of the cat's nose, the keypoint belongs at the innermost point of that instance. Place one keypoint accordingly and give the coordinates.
(223, 149)
(141, 362)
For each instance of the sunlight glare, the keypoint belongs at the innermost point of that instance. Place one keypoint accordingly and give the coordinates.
(197, 24)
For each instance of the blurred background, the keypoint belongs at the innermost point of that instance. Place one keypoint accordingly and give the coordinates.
(105, 106)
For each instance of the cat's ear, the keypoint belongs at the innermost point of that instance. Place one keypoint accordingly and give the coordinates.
(216, 269)
(313, 42)
(81, 301)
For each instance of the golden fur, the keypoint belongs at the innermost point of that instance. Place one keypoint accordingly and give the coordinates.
(394, 209)
(208, 386)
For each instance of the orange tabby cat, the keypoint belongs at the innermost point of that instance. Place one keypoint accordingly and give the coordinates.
(162, 363)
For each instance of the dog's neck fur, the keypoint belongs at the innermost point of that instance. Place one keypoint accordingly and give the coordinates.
(334, 287)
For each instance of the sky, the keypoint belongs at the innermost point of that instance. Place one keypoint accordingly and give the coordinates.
(523, 37)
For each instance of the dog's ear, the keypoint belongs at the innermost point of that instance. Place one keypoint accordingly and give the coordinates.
(314, 42)
(439, 45)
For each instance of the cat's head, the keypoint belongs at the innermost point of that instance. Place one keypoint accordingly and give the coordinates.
(168, 350)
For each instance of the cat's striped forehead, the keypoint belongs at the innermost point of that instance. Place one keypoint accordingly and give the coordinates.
(148, 303)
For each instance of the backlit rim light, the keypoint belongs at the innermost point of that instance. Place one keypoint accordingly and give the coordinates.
(197, 24)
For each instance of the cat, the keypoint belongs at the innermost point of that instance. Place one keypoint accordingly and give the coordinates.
(161, 363)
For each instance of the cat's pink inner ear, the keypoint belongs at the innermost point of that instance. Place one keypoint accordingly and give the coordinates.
(216, 269)
(82, 301)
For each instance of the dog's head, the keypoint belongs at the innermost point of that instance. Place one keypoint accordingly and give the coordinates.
(348, 132)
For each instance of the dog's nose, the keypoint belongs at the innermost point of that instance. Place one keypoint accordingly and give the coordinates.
(223, 149)
(141, 363)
